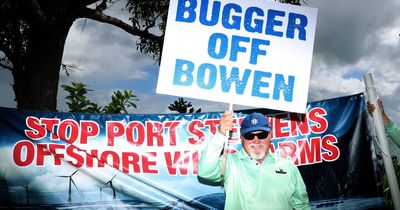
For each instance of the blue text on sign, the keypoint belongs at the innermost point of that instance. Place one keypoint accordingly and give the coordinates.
(206, 76)
(253, 19)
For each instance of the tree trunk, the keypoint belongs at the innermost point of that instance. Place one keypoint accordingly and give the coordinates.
(36, 82)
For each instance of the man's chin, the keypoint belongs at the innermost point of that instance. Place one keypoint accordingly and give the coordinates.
(258, 155)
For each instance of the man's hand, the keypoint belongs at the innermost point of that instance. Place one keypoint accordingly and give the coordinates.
(371, 107)
(226, 122)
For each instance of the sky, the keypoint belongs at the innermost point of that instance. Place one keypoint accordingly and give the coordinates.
(352, 38)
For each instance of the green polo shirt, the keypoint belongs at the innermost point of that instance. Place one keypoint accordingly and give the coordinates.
(393, 131)
(275, 184)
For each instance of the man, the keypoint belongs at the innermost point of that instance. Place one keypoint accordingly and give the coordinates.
(391, 128)
(254, 177)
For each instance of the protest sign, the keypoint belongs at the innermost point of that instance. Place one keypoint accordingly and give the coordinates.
(254, 53)
(57, 160)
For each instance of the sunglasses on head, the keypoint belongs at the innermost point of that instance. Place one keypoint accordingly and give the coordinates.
(250, 135)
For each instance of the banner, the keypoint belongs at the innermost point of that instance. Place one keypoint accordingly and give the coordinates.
(243, 52)
(142, 161)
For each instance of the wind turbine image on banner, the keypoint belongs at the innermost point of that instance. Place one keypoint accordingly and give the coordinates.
(27, 194)
(101, 191)
(111, 185)
(4, 186)
(26, 187)
(69, 186)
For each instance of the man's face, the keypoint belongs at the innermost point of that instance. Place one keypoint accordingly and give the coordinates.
(256, 144)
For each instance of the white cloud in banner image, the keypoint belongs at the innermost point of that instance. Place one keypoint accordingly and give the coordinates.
(353, 37)
(46, 183)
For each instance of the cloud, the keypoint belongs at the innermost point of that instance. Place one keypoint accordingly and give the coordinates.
(104, 53)
(343, 27)
(355, 37)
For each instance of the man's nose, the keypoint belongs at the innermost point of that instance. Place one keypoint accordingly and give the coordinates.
(256, 139)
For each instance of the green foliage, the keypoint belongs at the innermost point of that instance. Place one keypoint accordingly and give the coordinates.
(182, 106)
(385, 183)
(120, 102)
(77, 101)
(149, 15)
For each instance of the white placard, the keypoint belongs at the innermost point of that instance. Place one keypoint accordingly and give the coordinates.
(254, 52)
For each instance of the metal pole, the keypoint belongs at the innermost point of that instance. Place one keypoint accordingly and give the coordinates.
(383, 141)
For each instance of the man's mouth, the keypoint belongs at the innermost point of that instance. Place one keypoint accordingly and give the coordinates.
(257, 146)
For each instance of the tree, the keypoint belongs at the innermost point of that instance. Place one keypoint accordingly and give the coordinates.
(181, 106)
(33, 35)
(77, 101)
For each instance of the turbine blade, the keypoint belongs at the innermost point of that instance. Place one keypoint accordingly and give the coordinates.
(75, 185)
(114, 176)
(75, 172)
